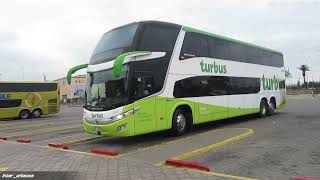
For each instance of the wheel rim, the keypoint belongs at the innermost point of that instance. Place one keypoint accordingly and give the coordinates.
(181, 122)
(24, 114)
(272, 107)
(36, 113)
(263, 110)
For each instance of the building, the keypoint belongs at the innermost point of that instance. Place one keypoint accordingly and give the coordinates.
(74, 91)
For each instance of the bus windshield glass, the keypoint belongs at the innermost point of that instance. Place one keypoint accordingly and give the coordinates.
(104, 91)
(114, 43)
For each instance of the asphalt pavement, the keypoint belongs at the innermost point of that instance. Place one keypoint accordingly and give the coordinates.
(280, 146)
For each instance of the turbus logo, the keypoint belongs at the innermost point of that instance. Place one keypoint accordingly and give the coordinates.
(96, 115)
(213, 68)
(272, 83)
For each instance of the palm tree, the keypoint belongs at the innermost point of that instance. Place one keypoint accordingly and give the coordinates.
(304, 68)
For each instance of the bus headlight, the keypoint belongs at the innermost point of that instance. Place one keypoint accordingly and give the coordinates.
(125, 114)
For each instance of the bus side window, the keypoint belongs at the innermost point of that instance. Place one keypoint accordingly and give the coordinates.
(143, 86)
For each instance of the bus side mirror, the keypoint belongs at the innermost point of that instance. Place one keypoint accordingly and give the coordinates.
(73, 70)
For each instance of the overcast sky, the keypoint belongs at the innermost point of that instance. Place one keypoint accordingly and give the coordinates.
(42, 36)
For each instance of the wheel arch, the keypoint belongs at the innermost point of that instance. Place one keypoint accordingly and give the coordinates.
(263, 98)
(187, 106)
(24, 109)
(38, 108)
(273, 98)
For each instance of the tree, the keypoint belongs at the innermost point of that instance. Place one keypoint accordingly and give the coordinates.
(304, 68)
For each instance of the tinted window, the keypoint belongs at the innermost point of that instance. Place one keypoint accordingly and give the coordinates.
(158, 38)
(218, 85)
(197, 45)
(147, 77)
(201, 86)
(189, 87)
(194, 45)
(219, 48)
(237, 52)
(253, 55)
(143, 85)
(277, 60)
(113, 43)
(27, 87)
(10, 103)
(243, 85)
(215, 86)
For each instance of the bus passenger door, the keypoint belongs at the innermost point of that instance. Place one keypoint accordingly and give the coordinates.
(161, 113)
(204, 109)
(145, 119)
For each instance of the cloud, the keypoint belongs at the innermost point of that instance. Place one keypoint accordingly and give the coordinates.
(52, 36)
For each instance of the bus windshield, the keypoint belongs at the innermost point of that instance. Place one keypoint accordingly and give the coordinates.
(114, 43)
(104, 91)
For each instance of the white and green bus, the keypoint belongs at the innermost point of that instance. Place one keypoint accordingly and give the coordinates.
(150, 76)
(26, 99)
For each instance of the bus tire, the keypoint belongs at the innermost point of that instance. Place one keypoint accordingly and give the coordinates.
(272, 106)
(263, 109)
(179, 122)
(24, 114)
(36, 113)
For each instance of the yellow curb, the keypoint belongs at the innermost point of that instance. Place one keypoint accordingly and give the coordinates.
(210, 148)
(172, 141)
(214, 146)
(226, 175)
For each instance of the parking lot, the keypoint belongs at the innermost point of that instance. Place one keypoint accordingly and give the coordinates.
(281, 146)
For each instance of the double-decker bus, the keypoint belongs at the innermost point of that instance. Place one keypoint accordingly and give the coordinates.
(26, 99)
(150, 76)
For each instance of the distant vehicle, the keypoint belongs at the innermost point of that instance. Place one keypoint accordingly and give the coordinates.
(28, 99)
(151, 76)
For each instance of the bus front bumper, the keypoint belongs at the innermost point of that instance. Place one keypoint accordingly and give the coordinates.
(121, 128)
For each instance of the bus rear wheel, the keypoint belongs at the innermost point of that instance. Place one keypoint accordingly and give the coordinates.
(24, 114)
(263, 109)
(36, 113)
(180, 122)
(272, 106)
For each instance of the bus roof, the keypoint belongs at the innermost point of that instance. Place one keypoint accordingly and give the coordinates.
(189, 29)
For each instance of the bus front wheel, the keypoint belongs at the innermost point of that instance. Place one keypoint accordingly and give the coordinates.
(36, 113)
(24, 114)
(180, 122)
